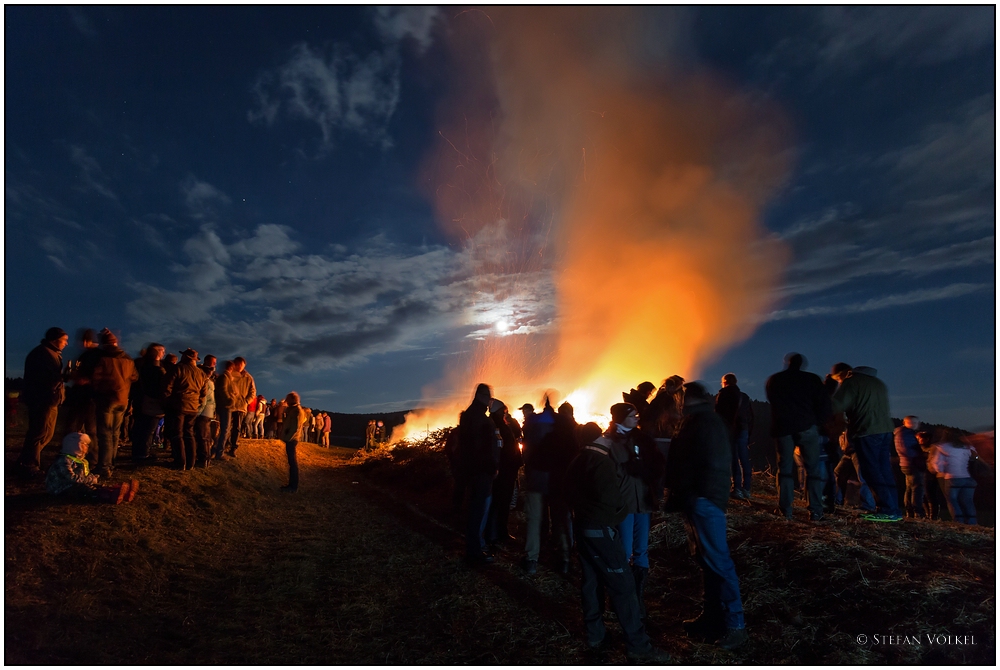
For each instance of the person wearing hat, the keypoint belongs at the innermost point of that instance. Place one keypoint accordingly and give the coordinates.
(70, 476)
(640, 477)
(111, 380)
(593, 491)
(43, 393)
(479, 448)
(698, 477)
(184, 391)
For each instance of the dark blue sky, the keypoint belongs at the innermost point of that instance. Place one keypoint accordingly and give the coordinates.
(247, 180)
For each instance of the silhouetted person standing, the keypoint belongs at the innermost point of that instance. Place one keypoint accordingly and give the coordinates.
(799, 405)
(184, 391)
(291, 434)
(734, 407)
(479, 448)
(865, 400)
(593, 491)
(698, 476)
(43, 393)
(111, 380)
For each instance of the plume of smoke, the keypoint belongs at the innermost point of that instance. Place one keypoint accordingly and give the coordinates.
(639, 188)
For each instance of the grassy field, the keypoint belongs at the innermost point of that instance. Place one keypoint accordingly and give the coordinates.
(363, 566)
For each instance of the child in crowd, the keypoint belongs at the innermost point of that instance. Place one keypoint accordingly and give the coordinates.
(70, 475)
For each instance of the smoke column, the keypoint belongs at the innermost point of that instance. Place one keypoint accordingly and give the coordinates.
(571, 154)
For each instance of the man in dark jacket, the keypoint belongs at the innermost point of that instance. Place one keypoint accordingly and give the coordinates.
(146, 405)
(110, 380)
(799, 405)
(184, 389)
(43, 393)
(698, 473)
(734, 407)
(479, 448)
(503, 485)
(865, 399)
(593, 490)
(539, 460)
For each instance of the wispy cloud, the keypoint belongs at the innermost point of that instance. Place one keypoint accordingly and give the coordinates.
(262, 294)
(202, 200)
(883, 302)
(338, 90)
(91, 175)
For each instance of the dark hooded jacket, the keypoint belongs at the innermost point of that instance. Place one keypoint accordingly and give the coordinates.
(479, 442)
(184, 387)
(43, 379)
(510, 455)
(699, 465)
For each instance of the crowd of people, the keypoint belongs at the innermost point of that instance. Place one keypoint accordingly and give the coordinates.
(685, 450)
(592, 488)
(108, 399)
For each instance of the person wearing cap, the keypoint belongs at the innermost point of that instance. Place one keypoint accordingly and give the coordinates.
(184, 390)
(799, 406)
(479, 448)
(865, 399)
(698, 477)
(70, 476)
(640, 468)
(593, 491)
(111, 380)
(43, 392)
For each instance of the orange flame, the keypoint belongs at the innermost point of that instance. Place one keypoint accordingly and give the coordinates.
(651, 232)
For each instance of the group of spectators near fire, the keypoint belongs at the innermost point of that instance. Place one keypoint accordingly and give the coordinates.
(108, 398)
(686, 451)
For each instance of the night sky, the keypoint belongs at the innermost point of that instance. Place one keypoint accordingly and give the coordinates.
(250, 181)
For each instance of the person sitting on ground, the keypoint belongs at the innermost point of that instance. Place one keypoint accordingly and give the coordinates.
(70, 475)
(951, 461)
(291, 433)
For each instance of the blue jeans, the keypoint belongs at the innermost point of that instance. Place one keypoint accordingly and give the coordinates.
(808, 443)
(225, 426)
(634, 531)
(742, 471)
(873, 453)
(480, 495)
(109, 425)
(706, 525)
(960, 493)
